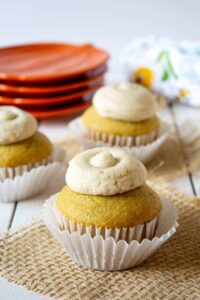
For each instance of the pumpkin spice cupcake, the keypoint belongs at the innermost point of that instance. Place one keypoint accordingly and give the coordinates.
(122, 115)
(25, 155)
(123, 112)
(107, 217)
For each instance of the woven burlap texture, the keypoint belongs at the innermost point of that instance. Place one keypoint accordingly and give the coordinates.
(31, 257)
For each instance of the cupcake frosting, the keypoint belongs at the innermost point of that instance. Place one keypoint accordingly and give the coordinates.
(15, 125)
(125, 101)
(105, 171)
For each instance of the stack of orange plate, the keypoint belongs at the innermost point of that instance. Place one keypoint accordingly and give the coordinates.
(51, 79)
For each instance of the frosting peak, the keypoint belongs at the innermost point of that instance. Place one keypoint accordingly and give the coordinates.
(15, 125)
(124, 86)
(125, 101)
(6, 115)
(105, 171)
(103, 160)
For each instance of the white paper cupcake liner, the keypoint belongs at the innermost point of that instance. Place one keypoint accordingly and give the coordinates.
(123, 141)
(142, 152)
(111, 250)
(29, 183)
(7, 172)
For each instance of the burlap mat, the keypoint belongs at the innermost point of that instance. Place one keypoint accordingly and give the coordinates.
(32, 258)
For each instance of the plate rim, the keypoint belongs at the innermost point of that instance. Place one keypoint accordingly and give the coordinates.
(53, 77)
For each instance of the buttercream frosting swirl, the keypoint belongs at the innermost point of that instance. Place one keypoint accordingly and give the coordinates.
(15, 125)
(105, 171)
(125, 101)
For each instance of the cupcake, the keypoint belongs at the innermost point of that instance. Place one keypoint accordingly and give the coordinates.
(122, 115)
(106, 216)
(26, 155)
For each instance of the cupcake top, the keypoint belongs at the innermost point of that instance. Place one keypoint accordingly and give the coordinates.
(106, 188)
(30, 151)
(105, 171)
(16, 125)
(125, 101)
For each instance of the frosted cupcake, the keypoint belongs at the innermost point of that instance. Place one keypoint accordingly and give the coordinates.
(125, 116)
(24, 151)
(122, 113)
(107, 210)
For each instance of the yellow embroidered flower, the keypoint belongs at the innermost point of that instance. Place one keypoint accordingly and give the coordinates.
(143, 76)
(183, 93)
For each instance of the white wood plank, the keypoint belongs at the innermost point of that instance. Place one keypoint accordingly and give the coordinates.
(6, 214)
(25, 210)
(55, 128)
(15, 292)
(182, 183)
(182, 114)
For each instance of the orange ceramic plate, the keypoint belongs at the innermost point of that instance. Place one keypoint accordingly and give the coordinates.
(49, 101)
(61, 111)
(21, 91)
(45, 62)
(94, 73)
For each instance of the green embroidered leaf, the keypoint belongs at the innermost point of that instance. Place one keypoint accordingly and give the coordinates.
(171, 69)
(165, 75)
(160, 56)
(164, 59)
(163, 54)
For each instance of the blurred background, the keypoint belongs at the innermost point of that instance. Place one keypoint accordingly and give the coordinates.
(110, 24)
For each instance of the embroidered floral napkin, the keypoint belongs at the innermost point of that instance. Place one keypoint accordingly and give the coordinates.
(167, 67)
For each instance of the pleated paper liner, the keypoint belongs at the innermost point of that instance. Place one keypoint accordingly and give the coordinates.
(111, 249)
(146, 145)
(22, 182)
(31, 257)
(11, 173)
(138, 232)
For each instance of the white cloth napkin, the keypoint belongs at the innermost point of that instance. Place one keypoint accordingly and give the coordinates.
(165, 66)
